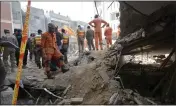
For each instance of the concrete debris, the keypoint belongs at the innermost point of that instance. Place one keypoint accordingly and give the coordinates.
(6, 96)
(66, 90)
(112, 99)
(104, 76)
(76, 101)
(52, 94)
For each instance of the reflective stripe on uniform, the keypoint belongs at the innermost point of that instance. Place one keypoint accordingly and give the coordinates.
(81, 33)
(38, 40)
(65, 39)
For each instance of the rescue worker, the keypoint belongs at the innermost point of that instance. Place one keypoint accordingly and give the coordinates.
(31, 45)
(80, 37)
(90, 37)
(98, 32)
(65, 45)
(9, 52)
(19, 38)
(59, 36)
(2, 68)
(50, 50)
(108, 35)
(38, 49)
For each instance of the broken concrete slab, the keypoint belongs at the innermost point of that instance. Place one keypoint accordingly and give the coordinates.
(112, 99)
(6, 96)
(104, 76)
(76, 101)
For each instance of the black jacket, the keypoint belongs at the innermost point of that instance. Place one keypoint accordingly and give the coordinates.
(59, 37)
(19, 38)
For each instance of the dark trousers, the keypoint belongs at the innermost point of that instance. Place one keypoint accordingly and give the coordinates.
(2, 73)
(64, 51)
(38, 54)
(17, 54)
(81, 44)
(90, 44)
(31, 54)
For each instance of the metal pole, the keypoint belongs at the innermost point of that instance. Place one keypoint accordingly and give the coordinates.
(175, 56)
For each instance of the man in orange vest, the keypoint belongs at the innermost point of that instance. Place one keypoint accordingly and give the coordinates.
(38, 49)
(50, 50)
(97, 29)
(108, 34)
(65, 45)
(81, 37)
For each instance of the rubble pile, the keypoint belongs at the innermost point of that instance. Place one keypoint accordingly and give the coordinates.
(92, 83)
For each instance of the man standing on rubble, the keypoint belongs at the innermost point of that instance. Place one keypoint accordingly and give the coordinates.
(65, 45)
(97, 28)
(38, 48)
(81, 37)
(90, 37)
(9, 51)
(50, 50)
(19, 38)
(31, 45)
(108, 35)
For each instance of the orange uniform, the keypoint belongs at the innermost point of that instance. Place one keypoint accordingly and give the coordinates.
(98, 32)
(50, 49)
(108, 34)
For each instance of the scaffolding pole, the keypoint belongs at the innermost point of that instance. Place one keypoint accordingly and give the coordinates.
(175, 56)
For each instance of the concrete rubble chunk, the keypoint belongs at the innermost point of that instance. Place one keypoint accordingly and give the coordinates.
(76, 100)
(6, 96)
(112, 99)
(104, 75)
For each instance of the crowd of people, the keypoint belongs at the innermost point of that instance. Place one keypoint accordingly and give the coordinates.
(50, 48)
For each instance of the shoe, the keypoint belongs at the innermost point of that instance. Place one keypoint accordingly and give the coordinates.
(64, 68)
(39, 66)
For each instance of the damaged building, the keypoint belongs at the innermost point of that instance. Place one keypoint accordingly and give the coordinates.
(146, 50)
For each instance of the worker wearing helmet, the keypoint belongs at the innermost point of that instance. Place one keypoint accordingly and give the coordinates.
(31, 45)
(38, 49)
(97, 29)
(65, 45)
(81, 37)
(50, 50)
